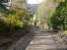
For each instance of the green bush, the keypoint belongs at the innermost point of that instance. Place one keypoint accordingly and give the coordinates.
(13, 20)
(59, 18)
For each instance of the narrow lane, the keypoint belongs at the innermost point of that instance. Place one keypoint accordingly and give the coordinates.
(37, 40)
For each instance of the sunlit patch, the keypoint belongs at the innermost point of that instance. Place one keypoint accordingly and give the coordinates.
(34, 1)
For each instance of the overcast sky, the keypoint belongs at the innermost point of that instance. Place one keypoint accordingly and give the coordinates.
(34, 1)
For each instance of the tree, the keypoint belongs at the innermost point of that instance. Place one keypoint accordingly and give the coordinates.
(59, 18)
(14, 18)
(2, 6)
(43, 12)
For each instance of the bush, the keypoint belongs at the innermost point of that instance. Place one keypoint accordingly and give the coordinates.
(13, 20)
(59, 18)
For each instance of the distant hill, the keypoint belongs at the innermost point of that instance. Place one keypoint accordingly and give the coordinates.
(32, 8)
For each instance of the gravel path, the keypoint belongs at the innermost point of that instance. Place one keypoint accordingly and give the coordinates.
(37, 40)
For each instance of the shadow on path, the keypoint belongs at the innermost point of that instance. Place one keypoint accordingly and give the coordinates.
(18, 41)
(22, 43)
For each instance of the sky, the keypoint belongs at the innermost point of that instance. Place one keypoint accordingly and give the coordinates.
(34, 1)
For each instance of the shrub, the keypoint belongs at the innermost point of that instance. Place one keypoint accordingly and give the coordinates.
(13, 20)
(59, 18)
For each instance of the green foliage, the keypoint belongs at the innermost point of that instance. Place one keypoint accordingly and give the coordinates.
(65, 32)
(59, 0)
(59, 18)
(13, 20)
(2, 6)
